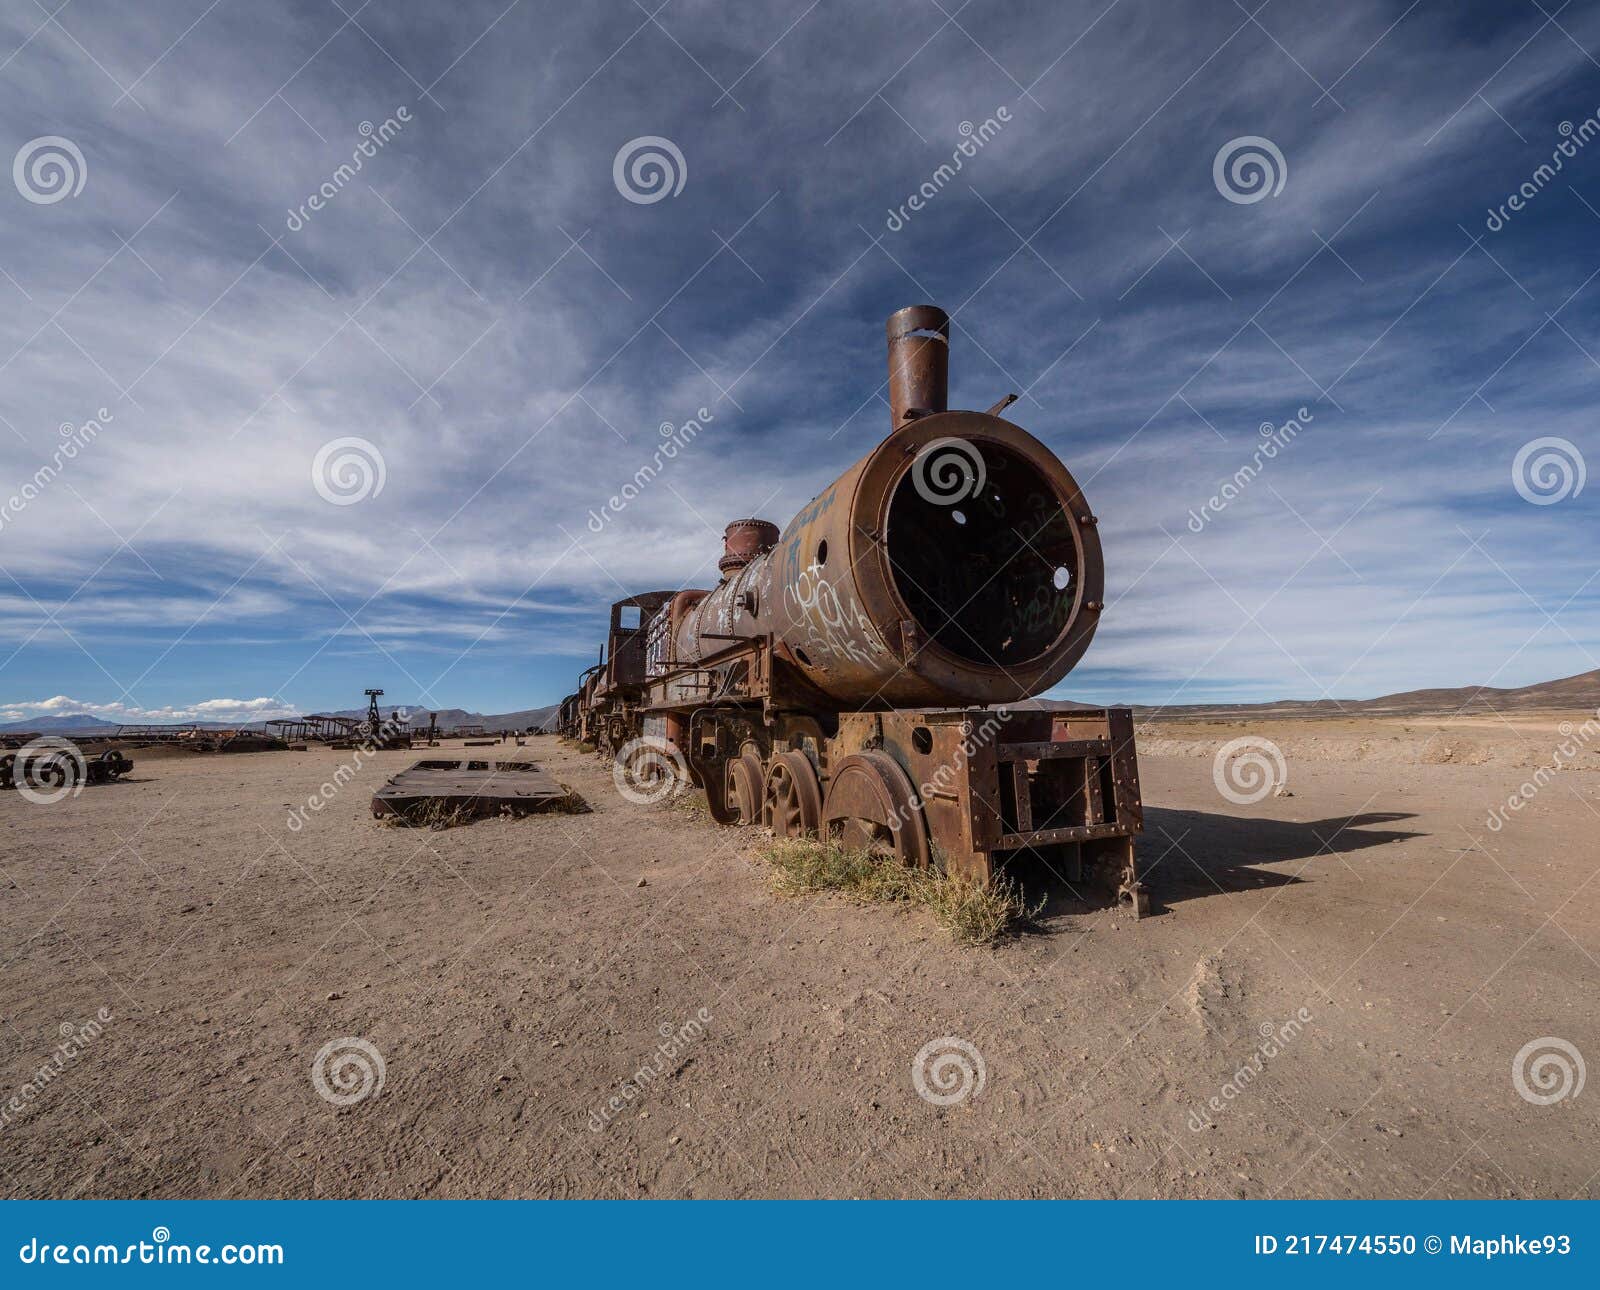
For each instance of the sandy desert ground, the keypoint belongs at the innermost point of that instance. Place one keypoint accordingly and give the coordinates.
(515, 976)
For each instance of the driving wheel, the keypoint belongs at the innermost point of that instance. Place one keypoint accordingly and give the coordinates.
(872, 806)
(793, 797)
(745, 779)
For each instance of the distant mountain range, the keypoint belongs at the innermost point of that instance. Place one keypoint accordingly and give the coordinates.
(451, 717)
(87, 723)
(1569, 694)
(1566, 695)
(76, 723)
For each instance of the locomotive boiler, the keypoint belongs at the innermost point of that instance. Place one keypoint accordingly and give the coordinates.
(865, 673)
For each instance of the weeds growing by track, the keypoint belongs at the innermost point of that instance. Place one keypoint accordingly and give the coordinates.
(692, 802)
(975, 913)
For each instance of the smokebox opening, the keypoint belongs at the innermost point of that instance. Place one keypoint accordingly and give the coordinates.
(982, 552)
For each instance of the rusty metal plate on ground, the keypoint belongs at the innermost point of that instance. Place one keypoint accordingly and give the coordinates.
(469, 788)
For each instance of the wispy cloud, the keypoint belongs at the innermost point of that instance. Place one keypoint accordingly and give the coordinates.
(481, 306)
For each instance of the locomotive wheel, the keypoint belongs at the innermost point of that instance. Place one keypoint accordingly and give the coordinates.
(745, 779)
(872, 806)
(113, 764)
(793, 797)
(52, 772)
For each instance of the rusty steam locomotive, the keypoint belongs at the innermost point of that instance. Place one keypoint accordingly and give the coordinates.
(864, 673)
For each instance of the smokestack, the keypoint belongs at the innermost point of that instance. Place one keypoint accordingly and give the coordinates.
(743, 541)
(919, 362)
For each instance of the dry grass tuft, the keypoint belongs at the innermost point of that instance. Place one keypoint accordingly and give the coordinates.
(975, 913)
(572, 804)
(437, 813)
(692, 802)
(434, 813)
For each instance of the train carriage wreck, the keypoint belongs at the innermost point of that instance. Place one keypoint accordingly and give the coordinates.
(856, 675)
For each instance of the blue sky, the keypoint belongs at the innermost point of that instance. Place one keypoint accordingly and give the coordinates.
(484, 306)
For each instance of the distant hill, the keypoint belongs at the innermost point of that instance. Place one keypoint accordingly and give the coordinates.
(1569, 694)
(533, 718)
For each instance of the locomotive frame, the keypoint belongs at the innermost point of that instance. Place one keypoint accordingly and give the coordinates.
(804, 691)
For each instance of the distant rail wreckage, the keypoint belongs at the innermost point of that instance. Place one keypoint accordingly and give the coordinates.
(849, 677)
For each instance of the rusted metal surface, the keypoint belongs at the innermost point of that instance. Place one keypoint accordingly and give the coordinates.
(162, 734)
(379, 733)
(837, 678)
(792, 796)
(887, 599)
(742, 541)
(374, 717)
(872, 804)
(319, 727)
(1061, 786)
(617, 687)
(919, 362)
(957, 562)
(467, 787)
(203, 739)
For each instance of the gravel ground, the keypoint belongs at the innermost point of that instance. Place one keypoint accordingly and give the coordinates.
(1328, 1002)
